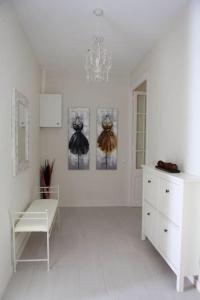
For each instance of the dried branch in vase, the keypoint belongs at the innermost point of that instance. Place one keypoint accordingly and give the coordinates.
(46, 171)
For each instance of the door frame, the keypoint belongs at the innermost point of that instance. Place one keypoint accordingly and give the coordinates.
(136, 83)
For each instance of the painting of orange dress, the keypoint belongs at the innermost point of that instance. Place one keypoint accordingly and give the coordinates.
(106, 139)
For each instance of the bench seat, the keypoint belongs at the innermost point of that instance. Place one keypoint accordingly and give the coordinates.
(37, 222)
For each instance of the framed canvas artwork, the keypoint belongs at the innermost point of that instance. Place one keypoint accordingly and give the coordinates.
(106, 153)
(78, 138)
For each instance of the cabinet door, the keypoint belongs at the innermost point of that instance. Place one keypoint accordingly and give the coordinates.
(169, 241)
(149, 222)
(150, 188)
(50, 110)
(170, 200)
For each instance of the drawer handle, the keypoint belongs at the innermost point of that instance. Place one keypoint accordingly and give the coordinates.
(167, 191)
(149, 181)
(57, 123)
(148, 214)
(165, 230)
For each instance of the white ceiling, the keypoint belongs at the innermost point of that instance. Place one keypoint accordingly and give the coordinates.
(60, 31)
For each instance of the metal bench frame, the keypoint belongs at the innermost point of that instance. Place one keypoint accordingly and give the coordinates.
(18, 215)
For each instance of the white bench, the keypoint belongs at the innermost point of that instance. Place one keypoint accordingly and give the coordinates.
(40, 216)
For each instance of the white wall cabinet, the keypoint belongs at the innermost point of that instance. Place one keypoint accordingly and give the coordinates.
(171, 220)
(50, 110)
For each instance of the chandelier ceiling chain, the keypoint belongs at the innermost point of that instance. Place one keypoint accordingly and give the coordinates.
(98, 60)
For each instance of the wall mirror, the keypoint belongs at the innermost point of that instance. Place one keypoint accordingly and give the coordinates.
(20, 132)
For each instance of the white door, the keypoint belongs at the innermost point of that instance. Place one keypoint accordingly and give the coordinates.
(138, 146)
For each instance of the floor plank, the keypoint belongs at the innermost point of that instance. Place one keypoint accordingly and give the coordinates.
(96, 255)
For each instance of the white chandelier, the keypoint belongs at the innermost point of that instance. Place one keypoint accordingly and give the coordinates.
(98, 60)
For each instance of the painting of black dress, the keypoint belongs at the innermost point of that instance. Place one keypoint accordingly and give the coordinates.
(78, 144)
(106, 157)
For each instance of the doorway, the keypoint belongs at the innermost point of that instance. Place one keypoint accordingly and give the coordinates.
(138, 141)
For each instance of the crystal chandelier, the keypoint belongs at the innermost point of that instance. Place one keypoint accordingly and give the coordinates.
(98, 60)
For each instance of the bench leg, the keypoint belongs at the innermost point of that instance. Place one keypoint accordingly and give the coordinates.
(180, 283)
(58, 217)
(14, 252)
(47, 251)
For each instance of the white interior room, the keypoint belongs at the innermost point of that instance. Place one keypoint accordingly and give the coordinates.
(103, 113)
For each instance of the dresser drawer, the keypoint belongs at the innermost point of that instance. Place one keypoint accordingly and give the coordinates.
(150, 187)
(149, 222)
(170, 200)
(168, 241)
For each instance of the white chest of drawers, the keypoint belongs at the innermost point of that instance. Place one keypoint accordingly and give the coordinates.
(171, 220)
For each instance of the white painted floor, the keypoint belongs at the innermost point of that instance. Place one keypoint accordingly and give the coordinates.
(97, 254)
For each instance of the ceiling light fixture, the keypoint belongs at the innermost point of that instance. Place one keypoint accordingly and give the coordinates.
(98, 60)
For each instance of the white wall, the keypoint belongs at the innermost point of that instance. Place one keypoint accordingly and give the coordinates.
(173, 94)
(193, 103)
(18, 69)
(89, 188)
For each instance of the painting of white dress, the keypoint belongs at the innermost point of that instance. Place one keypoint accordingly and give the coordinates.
(78, 144)
(106, 157)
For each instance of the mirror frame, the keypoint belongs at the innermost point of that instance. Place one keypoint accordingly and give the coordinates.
(19, 98)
